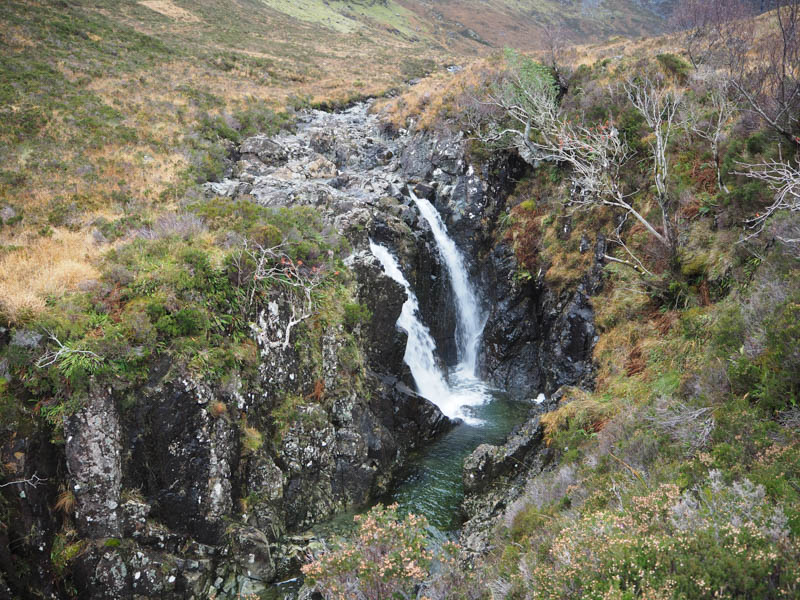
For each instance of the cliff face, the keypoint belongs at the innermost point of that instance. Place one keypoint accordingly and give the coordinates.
(535, 339)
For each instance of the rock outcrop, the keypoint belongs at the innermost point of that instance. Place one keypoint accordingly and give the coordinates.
(494, 476)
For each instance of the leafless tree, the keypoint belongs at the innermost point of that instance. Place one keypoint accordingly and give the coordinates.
(555, 38)
(708, 25)
(764, 68)
(783, 178)
(533, 122)
(658, 106)
(710, 124)
(267, 268)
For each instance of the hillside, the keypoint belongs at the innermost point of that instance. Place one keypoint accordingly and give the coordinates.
(673, 471)
(109, 104)
(265, 264)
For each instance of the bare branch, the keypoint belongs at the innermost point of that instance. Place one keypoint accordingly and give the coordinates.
(764, 68)
(33, 481)
(51, 357)
(711, 126)
(275, 267)
(690, 426)
(784, 180)
(522, 111)
(659, 107)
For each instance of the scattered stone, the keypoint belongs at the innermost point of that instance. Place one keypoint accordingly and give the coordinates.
(7, 213)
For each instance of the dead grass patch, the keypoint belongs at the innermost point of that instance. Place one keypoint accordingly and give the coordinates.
(581, 408)
(43, 267)
(636, 363)
(168, 9)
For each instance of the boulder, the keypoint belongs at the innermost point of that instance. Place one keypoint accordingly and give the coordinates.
(321, 168)
(265, 149)
(487, 463)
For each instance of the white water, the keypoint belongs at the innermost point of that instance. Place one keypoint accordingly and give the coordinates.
(420, 353)
(470, 320)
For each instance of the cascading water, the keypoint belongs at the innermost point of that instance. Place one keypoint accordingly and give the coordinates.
(470, 320)
(433, 485)
(420, 355)
(420, 349)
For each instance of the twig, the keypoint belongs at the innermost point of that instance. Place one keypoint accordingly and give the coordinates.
(33, 481)
(632, 470)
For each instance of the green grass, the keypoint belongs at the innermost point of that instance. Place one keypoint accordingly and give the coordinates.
(348, 17)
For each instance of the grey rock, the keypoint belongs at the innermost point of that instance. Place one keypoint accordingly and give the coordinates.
(7, 213)
(25, 338)
(265, 149)
(488, 462)
(93, 454)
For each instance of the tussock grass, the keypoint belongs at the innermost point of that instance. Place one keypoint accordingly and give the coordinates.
(41, 268)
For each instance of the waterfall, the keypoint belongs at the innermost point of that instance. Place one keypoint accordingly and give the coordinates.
(470, 320)
(420, 353)
(464, 389)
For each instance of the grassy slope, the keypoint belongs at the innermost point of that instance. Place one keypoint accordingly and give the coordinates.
(696, 375)
(102, 102)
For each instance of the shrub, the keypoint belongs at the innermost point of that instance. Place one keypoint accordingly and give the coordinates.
(386, 558)
(186, 321)
(259, 118)
(355, 314)
(674, 65)
(252, 440)
(715, 541)
(183, 225)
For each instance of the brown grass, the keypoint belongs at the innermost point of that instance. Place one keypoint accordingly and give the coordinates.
(439, 97)
(581, 406)
(43, 267)
(665, 322)
(66, 502)
(217, 409)
(636, 363)
(319, 391)
(168, 9)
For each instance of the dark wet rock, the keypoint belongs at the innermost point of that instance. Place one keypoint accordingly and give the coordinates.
(423, 190)
(252, 564)
(494, 476)
(487, 463)
(384, 298)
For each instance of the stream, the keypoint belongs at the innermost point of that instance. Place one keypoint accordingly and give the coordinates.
(431, 483)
